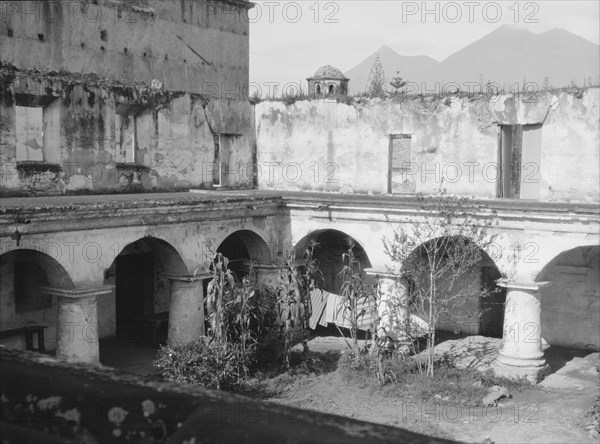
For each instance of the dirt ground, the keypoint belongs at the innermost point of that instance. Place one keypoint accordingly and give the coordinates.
(553, 413)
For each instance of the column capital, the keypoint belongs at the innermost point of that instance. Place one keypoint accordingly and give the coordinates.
(523, 286)
(78, 293)
(200, 276)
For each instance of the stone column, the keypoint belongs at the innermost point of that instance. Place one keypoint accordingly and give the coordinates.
(267, 274)
(521, 354)
(77, 326)
(392, 294)
(186, 312)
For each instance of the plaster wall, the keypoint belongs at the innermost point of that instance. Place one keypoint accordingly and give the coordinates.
(340, 147)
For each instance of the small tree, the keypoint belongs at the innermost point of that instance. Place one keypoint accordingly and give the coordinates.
(221, 284)
(240, 308)
(231, 312)
(358, 302)
(376, 82)
(437, 252)
(352, 292)
(296, 281)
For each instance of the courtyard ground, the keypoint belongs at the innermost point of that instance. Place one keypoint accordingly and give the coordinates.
(553, 412)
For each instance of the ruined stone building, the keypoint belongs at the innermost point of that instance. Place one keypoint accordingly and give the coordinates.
(104, 99)
(123, 96)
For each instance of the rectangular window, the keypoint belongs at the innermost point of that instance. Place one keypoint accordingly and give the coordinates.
(223, 145)
(400, 179)
(37, 129)
(531, 157)
(519, 159)
(125, 138)
(30, 133)
(217, 170)
(134, 132)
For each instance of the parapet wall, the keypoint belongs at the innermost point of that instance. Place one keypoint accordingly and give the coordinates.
(328, 146)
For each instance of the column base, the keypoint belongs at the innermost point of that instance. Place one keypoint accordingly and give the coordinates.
(534, 370)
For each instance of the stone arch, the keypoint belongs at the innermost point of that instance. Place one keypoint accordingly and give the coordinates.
(571, 301)
(242, 246)
(23, 301)
(480, 314)
(140, 276)
(169, 256)
(332, 244)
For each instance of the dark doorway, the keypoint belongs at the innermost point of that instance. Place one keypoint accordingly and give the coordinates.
(491, 321)
(134, 289)
(235, 250)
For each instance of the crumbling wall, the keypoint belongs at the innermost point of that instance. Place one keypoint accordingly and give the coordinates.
(85, 152)
(199, 46)
(328, 146)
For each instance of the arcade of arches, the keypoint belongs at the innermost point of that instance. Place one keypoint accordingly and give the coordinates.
(153, 287)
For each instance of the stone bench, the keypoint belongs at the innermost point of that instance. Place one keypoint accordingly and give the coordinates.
(28, 331)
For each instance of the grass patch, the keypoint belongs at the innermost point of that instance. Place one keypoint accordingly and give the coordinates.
(403, 378)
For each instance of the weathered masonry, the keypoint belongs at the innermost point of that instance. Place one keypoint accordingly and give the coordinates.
(83, 266)
(105, 97)
(541, 146)
(109, 96)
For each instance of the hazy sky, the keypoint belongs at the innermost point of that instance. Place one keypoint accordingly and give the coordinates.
(290, 40)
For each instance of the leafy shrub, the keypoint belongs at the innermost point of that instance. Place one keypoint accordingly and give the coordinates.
(204, 362)
(226, 363)
(259, 309)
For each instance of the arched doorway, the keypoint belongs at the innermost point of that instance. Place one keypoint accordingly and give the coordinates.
(242, 247)
(23, 302)
(570, 303)
(141, 288)
(327, 312)
(469, 301)
(332, 244)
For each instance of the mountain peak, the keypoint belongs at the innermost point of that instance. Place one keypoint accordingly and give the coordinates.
(385, 49)
(514, 27)
(509, 54)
